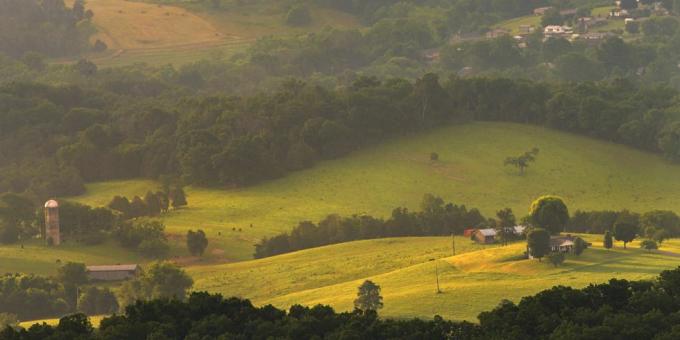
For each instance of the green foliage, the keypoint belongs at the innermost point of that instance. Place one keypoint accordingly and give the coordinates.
(505, 229)
(579, 246)
(146, 236)
(522, 162)
(436, 218)
(45, 27)
(608, 243)
(538, 243)
(550, 213)
(31, 297)
(72, 273)
(625, 232)
(161, 280)
(649, 245)
(197, 242)
(368, 297)
(556, 259)
(97, 301)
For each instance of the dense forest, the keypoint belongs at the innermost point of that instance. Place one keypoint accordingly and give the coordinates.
(619, 309)
(47, 27)
(54, 138)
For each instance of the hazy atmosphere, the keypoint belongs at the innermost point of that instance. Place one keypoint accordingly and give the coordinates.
(339, 169)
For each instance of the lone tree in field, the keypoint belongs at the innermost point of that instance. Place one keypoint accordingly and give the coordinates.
(522, 162)
(579, 246)
(368, 297)
(608, 243)
(538, 243)
(625, 232)
(549, 213)
(649, 245)
(196, 242)
(178, 197)
(556, 258)
(506, 222)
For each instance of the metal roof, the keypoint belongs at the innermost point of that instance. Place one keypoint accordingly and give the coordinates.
(113, 268)
(488, 232)
(51, 204)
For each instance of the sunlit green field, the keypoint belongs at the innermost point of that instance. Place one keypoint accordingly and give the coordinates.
(589, 174)
(472, 282)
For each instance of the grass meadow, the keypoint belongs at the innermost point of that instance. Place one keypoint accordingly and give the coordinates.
(474, 281)
(589, 174)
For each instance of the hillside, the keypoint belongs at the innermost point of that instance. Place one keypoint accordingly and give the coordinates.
(168, 33)
(588, 173)
(472, 282)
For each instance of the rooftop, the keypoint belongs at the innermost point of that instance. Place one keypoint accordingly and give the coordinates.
(113, 268)
(51, 204)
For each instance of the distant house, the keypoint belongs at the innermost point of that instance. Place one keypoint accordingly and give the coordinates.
(497, 33)
(484, 236)
(541, 10)
(556, 30)
(526, 29)
(113, 272)
(562, 244)
(468, 232)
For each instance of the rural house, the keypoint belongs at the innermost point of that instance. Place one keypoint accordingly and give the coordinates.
(562, 244)
(114, 272)
(484, 236)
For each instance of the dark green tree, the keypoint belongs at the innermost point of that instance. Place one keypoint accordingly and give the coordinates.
(506, 223)
(556, 258)
(579, 246)
(649, 245)
(608, 243)
(522, 162)
(197, 242)
(550, 213)
(538, 243)
(178, 197)
(625, 232)
(368, 297)
(98, 301)
(153, 204)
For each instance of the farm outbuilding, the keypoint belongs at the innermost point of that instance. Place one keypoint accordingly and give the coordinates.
(113, 272)
(484, 236)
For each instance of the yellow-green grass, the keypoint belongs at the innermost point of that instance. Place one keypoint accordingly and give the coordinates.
(589, 174)
(36, 258)
(472, 282)
(95, 320)
(513, 24)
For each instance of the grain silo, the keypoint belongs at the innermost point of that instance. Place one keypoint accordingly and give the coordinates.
(52, 223)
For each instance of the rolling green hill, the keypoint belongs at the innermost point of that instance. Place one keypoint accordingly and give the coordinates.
(474, 281)
(589, 174)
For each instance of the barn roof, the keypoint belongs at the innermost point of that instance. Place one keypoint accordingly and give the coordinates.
(51, 204)
(488, 232)
(113, 268)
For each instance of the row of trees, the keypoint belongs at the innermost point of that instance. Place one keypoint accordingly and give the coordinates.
(30, 297)
(435, 218)
(48, 27)
(619, 309)
(153, 204)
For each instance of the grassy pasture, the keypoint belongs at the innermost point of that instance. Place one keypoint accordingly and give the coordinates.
(474, 281)
(589, 174)
(179, 33)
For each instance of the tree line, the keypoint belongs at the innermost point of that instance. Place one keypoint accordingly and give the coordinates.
(54, 138)
(48, 27)
(30, 297)
(618, 309)
(436, 218)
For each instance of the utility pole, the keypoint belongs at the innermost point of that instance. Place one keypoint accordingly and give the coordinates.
(436, 273)
(453, 244)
